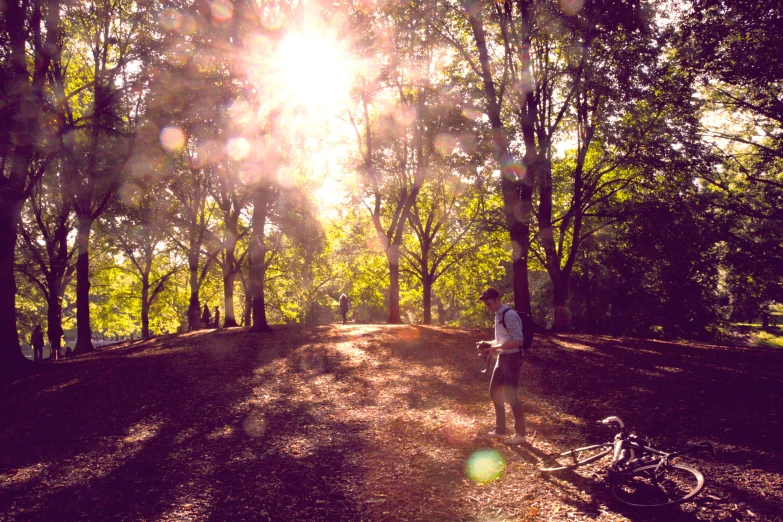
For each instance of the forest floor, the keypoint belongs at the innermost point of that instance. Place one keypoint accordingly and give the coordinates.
(374, 422)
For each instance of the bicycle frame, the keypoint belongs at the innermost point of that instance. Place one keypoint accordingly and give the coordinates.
(640, 474)
(630, 452)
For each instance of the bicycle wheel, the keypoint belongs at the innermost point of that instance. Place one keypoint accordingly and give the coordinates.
(575, 457)
(671, 484)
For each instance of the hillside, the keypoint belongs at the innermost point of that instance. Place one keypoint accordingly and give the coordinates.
(372, 422)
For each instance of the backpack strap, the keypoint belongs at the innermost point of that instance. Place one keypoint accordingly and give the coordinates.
(503, 319)
(503, 322)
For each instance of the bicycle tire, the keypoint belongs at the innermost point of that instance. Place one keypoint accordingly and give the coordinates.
(576, 457)
(672, 485)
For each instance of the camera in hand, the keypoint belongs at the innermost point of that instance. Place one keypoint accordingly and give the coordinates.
(484, 354)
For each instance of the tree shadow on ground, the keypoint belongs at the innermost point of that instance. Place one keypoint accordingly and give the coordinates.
(671, 393)
(154, 430)
(365, 422)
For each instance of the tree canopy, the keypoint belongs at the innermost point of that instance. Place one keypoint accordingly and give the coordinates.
(610, 166)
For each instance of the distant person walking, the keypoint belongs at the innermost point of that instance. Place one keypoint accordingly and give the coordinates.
(37, 342)
(344, 303)
(206, 317)
(216, 324)
(505, 379)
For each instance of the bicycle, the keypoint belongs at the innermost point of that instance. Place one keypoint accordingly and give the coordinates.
(640, 475)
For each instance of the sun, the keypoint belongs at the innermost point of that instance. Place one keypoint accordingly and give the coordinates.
(315, 72)
(305, 78)
(315, 77)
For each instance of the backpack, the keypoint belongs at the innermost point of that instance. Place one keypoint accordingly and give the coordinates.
(528, 327)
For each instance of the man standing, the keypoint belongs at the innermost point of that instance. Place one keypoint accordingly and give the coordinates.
(37, 341)
(206, 317)
(344, 307)
(505, 379)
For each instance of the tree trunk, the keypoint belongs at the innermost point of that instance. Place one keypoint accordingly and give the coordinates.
(54, 314)
(10, 352)
(426, 285)
(145, 307)
(517, 194)
(393, 257)
(562, 318)
(443, 313)
(194, 306)
(228, 291)
(24, 99)
(194, 312)
(520, 237)
(258, 260)
(248, 315)
(83, 326)
(590, 318)
(229, 274)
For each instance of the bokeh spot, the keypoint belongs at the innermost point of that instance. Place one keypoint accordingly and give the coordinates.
(254, 425)
(485, 466)
(171, 19)
(222, 10)
(571, 7)
(237, 148)
(313, 362)
(172, 138)
(408, 334)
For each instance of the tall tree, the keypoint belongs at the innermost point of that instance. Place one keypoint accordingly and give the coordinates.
(516, 177)
(264, 196)
(45, 229)
(97, 93)
(564, 74)
(139, 229)
(194, 232)
(24, 25)
(447, 223)
(736, 51)
(231, 197)
(395, 143)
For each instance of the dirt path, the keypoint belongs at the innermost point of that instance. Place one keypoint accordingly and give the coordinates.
(372, 422)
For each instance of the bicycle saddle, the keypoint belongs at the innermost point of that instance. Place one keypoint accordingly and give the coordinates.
(613, 419)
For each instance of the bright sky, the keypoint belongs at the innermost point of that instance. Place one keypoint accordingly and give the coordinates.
(312, 73)
(306, 77)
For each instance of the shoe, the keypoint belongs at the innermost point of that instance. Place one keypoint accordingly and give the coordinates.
(516, 439)
(495, 435)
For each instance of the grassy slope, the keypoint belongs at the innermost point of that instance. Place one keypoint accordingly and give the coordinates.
(371, 422)
(755, 335)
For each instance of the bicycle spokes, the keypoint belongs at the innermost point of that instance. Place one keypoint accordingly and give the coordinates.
(653, 486)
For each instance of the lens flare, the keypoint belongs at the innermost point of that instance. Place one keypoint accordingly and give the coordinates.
(516, 250)
(445, 143)
(485, 466)
(222, 10)
(571, 7)
(254, 425)
(313, 362)
(514, 170)
(172, 138)
(237, 148)
(241, 113)
(471, 114)
(187, 25)
(408, 334)
(210, 152)
(171, 19)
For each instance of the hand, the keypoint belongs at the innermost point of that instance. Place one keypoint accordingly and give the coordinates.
(483, 345)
